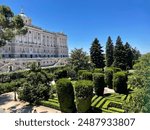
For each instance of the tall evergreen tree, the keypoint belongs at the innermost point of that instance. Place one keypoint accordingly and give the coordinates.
(128, 56)
(96, 54)
(109, 52)
(119, 54)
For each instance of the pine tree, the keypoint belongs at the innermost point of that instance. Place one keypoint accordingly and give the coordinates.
(96, 54)
(128, 56)
(109, 52)
(119, 54)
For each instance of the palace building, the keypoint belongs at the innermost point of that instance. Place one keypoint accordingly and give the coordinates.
(37, 43)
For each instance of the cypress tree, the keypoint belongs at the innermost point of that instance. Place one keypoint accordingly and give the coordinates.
(128, 56)
(119, 54)
(109, 52)
(96, 54)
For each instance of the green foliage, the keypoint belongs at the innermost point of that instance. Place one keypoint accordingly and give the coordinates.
(109, 77)
(86, 76)
(79, 60)
(11, 25)
(51, 104)
(60, 74)
(128, 56)
(120, 82)
(83, 94)
(96, 54)
(140, 101)
(119, 54)
(98, 70)
(36, 87)
(65, 95)
(109, 52)
(80, 73)
(99, 84)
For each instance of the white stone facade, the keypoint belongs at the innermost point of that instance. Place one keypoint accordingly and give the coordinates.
(37, 43)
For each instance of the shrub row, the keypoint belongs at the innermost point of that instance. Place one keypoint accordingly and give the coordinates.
(50, 104)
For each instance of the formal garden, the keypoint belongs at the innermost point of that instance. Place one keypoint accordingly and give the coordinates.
(81, 85)
(81, 88)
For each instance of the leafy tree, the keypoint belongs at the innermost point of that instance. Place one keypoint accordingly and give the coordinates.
(140, 79)
(119, 54)
(96, 54)
(36, 87)
(128, 56)
(109, 52)
(79, 60)
(10, 25)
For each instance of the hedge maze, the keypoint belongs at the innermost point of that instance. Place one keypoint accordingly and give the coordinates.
(110, 103)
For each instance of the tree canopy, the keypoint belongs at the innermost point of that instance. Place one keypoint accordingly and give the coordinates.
(10, 25)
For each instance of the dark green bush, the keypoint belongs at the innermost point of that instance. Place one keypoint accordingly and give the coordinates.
(65, 95)
(109, 77)
(120, 82)
(86, 76)
(60, 74)
(99, 83)
(98, 70)
(83, 94)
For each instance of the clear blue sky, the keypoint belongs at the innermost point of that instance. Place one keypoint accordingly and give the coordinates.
(83, 20)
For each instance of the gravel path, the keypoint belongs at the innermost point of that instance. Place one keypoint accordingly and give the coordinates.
(8, 105)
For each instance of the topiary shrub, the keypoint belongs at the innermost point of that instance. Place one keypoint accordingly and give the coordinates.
(60, 74)
(83, 94)
(99, 83)
(98, 70)
(87, 76)
(120, 82)
(80, 73)
(65, 95)
(109, 77)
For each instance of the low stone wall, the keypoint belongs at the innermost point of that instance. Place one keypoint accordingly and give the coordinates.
(24, 63)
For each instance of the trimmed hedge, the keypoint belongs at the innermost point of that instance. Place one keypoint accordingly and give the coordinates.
(11, 76)
(87, 76)
(83, 94)
(120, 82)
(109, 77)
(98, 70)
(50, 104)
(65, 95)
(9, 87)
(80, 73)
(99, 83)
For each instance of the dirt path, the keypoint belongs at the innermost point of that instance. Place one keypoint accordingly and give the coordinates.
(7, 104)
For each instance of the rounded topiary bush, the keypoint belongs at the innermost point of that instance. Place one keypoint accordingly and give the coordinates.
(109, 77)
(120, 82)
(65, 95)
(87, 76)
(83, 94)
(99, 83)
